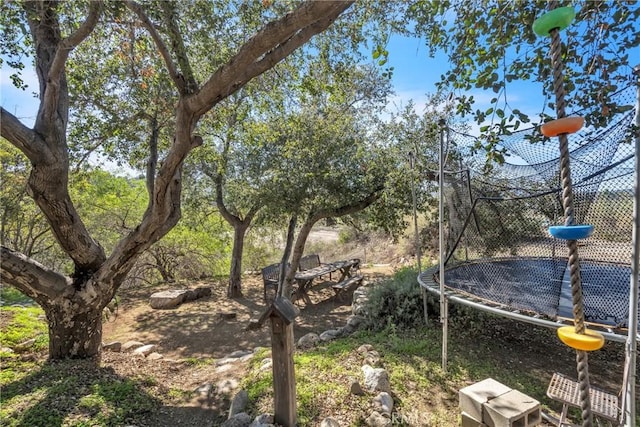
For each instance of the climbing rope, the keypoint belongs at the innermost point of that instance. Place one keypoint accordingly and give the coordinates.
(582, 358)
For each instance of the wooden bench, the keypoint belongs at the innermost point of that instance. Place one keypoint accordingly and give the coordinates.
(270, 279)
(346, 285)
(567, 391)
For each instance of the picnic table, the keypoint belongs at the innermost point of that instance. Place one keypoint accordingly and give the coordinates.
(305, 278)
(314, 269)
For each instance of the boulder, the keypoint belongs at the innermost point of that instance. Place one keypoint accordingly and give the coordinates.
(378, 420)
(168, 299)
(356, 389)
(383, 403)
(329, 335)
(114, 346)
(309, 340)
(263, 420)
(329, 422)
(131, 345)
(238, 420)
(144, 350)
(239, 403)
(376, 379)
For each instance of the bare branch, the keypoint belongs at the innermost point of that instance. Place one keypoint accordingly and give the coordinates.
(164, 51)
(31, 277)
(269, 46)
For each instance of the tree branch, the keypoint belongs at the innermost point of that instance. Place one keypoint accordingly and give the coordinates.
(179, 49)
(31, 277)
(67, 45)
(162, 47)
(269, 46)
(23, 138)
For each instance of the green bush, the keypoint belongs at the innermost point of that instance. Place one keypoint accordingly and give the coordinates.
(397, 302)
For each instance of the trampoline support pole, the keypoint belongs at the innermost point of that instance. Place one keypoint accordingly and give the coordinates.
(444, 315)
(632, 344)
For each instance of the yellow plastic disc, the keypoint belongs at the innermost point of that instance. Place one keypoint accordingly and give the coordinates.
(589, 341)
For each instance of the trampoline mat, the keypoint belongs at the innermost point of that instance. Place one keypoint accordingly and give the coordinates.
(542, 285)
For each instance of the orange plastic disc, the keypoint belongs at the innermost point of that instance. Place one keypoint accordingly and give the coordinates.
(589, 341)
(560, 126)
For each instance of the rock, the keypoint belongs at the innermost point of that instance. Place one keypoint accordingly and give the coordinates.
(262, 420)
(356, 389)
(309, 340)
(144, 350)
(205, 389)
(329, 335)
(227, 315)
(372, 358)
(227, 386)
(239, 420)
(354, 320)
(168, 299)
(238, 353)
(383, 403)
(329, 422)
(202, 292)
(114, 346)
(224, 368)
(266, 364)
(24, 346)
(365, 348)
(348, 330)
(376, 379)
(189, 296)
(239, 403)
(377, 420)
(131, 345)
(155, 356)
(6, 350)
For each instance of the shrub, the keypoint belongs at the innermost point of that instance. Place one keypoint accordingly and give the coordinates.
(397, 302)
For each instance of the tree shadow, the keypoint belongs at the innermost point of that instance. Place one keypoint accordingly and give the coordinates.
(77, 392)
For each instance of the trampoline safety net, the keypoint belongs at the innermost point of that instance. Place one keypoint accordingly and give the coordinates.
(497, 243)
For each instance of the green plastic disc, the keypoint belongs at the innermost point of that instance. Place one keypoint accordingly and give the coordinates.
(559, 18)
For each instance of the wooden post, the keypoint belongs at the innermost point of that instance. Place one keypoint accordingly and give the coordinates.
(281, 313)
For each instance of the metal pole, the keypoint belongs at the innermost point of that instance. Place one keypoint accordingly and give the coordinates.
(632, 344)
(425, 309)
(444, 317)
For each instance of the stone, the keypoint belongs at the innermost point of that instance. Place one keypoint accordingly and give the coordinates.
(114, 346)
(348, 330)
(144, 350)
(262, 420)
(372, 358)
(239, 420)
(239, 403)
(377, 420)
(309, 340)
(238, 354)
(356, 389)
(266, 365)
(189, 296)
(329, 335)
(155, 356)
(205, 389)
(383, 403)
(365, 348)
(329, 422)
(24, 346)
(376, 379)
(227, 386)
(168, 299)
(131, 345)
(354, 320)
(202, 292)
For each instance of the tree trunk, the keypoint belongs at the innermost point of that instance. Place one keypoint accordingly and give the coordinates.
(74, 334)
(235, 276)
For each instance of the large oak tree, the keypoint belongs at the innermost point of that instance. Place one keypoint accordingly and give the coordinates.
(73, 304)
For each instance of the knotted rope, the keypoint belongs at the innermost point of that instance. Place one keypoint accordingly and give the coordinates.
(582, 358)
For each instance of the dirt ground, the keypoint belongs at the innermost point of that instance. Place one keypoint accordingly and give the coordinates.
(197, 332)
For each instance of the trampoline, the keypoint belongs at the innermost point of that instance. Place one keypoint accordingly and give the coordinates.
(499, 255)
